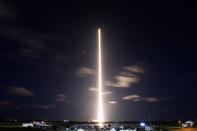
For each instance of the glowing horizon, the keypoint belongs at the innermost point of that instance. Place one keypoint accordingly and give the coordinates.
(100, 82)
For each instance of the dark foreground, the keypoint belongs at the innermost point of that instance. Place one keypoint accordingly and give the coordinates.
(159, 126)
(18, 129)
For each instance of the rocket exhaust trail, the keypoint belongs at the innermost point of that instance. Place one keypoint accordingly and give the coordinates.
(100, 82)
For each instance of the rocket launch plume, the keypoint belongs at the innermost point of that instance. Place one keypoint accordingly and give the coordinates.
(100, 82)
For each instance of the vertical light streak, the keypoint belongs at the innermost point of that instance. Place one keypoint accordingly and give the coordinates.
(100, 82)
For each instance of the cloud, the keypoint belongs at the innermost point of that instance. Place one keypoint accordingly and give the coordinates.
(94, 89)
(5, 103)
(52, 106)
(32, 44)
(61, 95)
(135, 69)
(20, 91)
(170, 97)
(43, 107)
(137, 98)
(113, 102)
(7, 12)
(107, 92)
(134, 97)
(159, 99)
(123, 81)
(126, 77)
(151, 99)
(167, 110)
(85, 71)
(33, 47)
(61, 98)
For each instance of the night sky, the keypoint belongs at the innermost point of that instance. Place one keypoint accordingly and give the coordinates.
(48, 60)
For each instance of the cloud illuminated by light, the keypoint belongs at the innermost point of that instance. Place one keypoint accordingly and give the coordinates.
(107, 92)
(113, 102)
(131, 97)
(123, 81)
(136, 98)
(20, 91)
(151, 99)
(85, 71)
(126, 77)
(94, 89)
(60, 98)
(136, 69)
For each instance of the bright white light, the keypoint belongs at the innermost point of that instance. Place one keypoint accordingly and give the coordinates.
(100, 82)
(142, 124)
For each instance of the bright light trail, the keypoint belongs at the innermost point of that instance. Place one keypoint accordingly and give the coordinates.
(100, 82)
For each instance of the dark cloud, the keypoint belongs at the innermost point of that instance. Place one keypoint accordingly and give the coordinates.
(61, 95)
(5, 103)
(21, 91)
(7, 11)
(43, 106)
(167, 110)
(61, 98)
